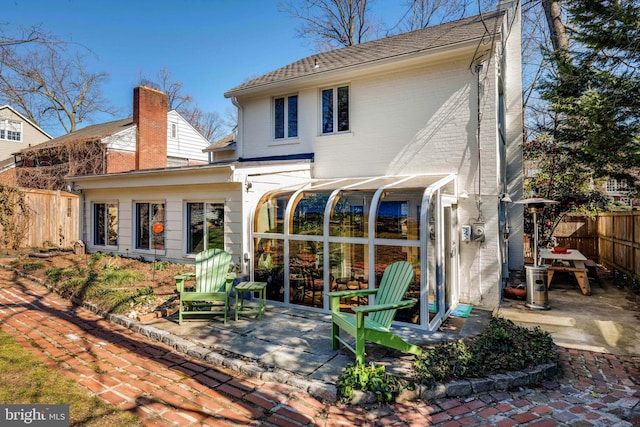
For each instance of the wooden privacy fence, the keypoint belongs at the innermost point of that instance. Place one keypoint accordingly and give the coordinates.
(619, 241)
(579, 232)
(613, 239)
(54, 219)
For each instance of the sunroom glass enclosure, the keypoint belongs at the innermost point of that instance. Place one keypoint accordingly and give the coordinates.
(341, 234)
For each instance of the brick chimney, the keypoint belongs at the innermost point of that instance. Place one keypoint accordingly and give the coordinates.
(150, 118)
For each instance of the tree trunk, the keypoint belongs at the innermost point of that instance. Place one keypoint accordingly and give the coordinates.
(557, 29)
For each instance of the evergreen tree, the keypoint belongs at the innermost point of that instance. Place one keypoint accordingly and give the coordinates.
(594, 90)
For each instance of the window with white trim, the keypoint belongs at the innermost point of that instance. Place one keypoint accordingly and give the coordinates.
(285, 117)
(205, 226)
(11, 130)
(105, 224)
(614, 185)
(149, 225)
(335, 110)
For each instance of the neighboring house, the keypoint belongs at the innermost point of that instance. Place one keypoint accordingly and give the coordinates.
(153, 138)
(224, 149)
(16, 132)
(403, 148)
(619, 191)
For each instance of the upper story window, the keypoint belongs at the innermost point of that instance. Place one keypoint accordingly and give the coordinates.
(616, 186)
(285, 117)
(174, 130)
(11, 130)
(335, 109)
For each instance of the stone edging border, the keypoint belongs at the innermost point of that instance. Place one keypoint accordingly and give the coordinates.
(324, 391)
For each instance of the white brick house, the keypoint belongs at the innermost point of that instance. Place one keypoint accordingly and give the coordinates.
(347, 160)
(444, 100)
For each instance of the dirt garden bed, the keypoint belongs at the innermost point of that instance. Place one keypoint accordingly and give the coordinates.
(141, 289)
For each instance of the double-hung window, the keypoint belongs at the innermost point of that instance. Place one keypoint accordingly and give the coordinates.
(285, 114)
(11, 130)
(335, 110)
(149, 225)
(105, 224)
(205, 226)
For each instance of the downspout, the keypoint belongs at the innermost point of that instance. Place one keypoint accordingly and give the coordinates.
(246, 249)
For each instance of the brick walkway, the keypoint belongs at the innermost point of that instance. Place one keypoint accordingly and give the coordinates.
(163, 387)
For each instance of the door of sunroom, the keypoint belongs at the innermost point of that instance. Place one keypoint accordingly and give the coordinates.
(336, 235)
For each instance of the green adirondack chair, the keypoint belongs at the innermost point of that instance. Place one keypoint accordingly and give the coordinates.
(373, 322)
(212, 286)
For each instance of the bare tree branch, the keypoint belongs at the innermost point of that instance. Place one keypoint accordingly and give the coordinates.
(48, 83)
(332, 23)
(210, 125)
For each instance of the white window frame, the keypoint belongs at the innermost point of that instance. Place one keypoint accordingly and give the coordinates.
(285, 113)
(7, 130)
(187, 223)
(135, 231)
(335, 120)
(94, 223)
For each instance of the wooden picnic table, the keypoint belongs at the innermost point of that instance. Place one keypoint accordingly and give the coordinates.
(571, 261)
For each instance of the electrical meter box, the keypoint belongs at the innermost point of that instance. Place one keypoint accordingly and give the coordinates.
(477, 231)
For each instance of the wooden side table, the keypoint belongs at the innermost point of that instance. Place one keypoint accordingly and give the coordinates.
(241, 288)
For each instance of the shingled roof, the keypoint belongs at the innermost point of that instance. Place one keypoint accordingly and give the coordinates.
(94, 132)
(423, 40)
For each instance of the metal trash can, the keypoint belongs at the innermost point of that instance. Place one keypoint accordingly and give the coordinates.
(537, 295)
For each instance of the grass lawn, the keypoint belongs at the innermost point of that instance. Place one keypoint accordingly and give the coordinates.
(26, 380)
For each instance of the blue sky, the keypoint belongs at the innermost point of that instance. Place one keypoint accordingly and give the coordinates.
(208, 45)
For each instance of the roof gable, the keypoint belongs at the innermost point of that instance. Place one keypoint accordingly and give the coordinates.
(23, 118)
(398, 46)
(94, 132)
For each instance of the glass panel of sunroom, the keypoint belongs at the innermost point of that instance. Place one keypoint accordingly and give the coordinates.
(350, 214)
(387, 254)
(269, 266)
(349, 270)
(398, 214)
(308, 213)
(306, 277)
(269, 217)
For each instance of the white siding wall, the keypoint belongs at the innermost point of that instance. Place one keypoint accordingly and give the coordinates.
(174, 199)
(239, 199)
(188, 142)
(31, 136)
(122, 141)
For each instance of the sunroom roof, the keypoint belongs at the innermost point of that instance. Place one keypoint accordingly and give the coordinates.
(373, 183)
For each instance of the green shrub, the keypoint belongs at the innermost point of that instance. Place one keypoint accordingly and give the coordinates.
(505, 347)
(446, 360)
(501, 347)
(373, 378)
